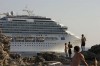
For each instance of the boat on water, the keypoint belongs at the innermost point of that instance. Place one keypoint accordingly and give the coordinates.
(36, 33)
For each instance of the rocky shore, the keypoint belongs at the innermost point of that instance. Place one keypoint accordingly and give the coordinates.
(8, 59)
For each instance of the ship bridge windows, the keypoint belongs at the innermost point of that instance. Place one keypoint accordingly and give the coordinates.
(62, 38)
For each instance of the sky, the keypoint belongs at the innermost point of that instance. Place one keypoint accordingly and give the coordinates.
(80, 16)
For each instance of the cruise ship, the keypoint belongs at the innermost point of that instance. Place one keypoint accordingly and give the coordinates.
(35, 33)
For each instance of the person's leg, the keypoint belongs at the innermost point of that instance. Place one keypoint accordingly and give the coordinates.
(66, 54)
(82, 48)
(69, 55)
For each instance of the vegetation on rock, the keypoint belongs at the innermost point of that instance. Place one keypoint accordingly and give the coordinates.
(95, 49)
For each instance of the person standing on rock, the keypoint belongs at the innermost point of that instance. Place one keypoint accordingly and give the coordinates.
(66, 50)
(83, 40)
(69, 49)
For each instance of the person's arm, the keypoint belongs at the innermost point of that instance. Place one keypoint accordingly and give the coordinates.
(85, 38)
(83, 59)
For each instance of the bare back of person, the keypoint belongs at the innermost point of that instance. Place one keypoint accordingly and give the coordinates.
(76, 59)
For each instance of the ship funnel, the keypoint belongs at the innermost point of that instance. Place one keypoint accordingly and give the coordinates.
(11, 13)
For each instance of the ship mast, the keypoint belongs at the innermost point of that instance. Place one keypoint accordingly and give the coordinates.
(28, 11)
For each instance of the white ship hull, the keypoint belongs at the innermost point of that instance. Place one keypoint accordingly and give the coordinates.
(54, 45)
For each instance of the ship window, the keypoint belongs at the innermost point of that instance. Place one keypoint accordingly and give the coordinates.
(18, 20)
(62, 38)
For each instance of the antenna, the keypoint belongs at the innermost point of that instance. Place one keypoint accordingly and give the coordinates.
(28, 11)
